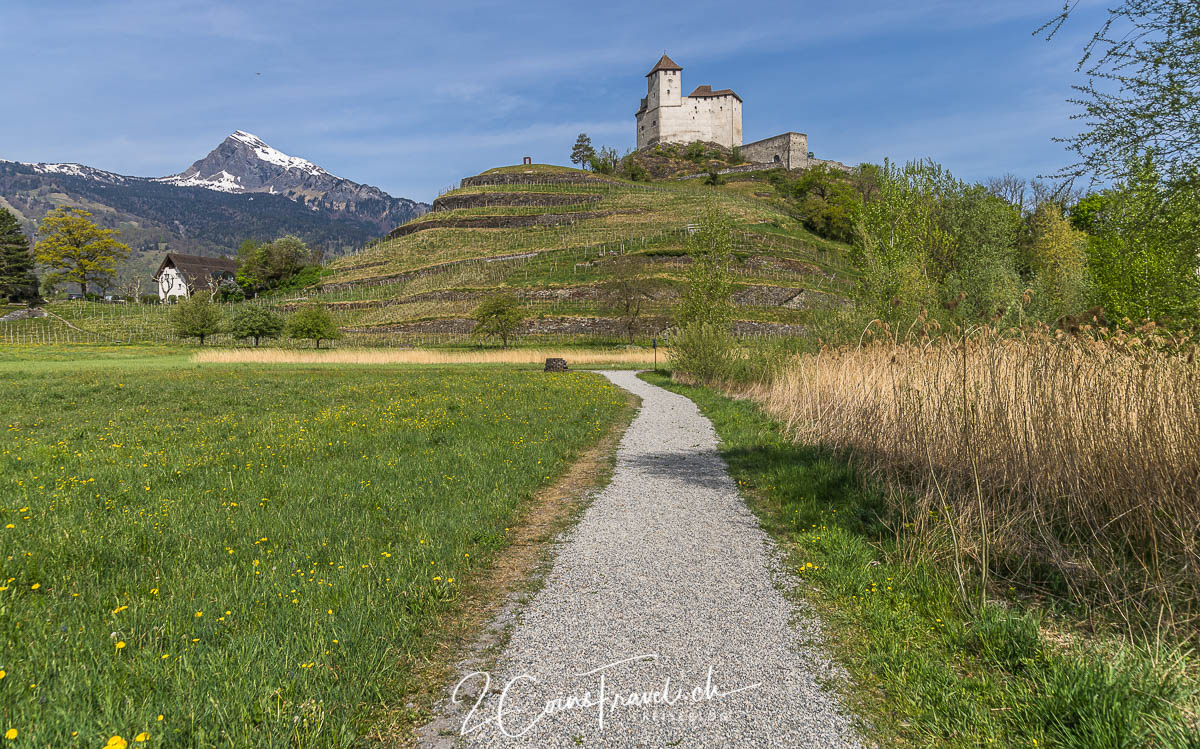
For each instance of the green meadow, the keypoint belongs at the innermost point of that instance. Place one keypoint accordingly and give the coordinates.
(248, 556)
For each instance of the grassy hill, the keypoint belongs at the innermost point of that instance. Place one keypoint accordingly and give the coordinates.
(556, 238)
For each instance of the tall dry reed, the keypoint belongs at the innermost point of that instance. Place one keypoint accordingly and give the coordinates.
(636, 357)
(1070, 466)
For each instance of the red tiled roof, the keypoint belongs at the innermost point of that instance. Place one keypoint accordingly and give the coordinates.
(703, 92)
(664, 63)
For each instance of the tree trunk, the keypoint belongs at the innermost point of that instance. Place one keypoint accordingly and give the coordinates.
(83, 289)
(201, 340)
(255, 341)
(318, 343)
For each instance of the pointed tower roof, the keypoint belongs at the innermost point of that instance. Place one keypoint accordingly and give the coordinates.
(664, 63)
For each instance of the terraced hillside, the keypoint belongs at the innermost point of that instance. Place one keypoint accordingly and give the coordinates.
(559, 238)
(562, 240)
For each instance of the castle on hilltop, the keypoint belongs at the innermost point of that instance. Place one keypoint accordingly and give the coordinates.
(667, 116)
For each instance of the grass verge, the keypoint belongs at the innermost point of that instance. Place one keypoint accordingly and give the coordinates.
(224, 556)
(925, 670)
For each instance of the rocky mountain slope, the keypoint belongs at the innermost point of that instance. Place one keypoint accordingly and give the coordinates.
(243, 189)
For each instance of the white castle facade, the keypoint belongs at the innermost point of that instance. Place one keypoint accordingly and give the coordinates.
(667, 116)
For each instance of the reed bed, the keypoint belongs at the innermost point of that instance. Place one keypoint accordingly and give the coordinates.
(1067, 466)
(635, 357)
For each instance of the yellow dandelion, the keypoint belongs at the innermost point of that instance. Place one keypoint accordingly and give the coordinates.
(116, 742)
(159, 717)
(10, 734)
(143, 736)
(120, 644)
(199, 614)
(35, 586)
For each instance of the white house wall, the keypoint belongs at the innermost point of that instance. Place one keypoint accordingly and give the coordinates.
(171, 283)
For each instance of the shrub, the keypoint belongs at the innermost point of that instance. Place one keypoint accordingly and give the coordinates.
(701, 352)
(633, 169)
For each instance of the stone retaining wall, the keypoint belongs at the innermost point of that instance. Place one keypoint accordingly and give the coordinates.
(495, 222)
(525, 178)
(532, 199)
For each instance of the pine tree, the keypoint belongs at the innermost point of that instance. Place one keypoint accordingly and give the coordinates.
(583, 152)
(17, 280)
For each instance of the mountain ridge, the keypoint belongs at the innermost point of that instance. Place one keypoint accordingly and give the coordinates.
(242, 189)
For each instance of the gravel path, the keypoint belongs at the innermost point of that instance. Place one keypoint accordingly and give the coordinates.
(666, 585)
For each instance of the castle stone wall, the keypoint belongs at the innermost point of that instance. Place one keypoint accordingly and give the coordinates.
(789, 150)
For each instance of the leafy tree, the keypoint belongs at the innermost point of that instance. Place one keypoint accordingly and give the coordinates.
(76, 250)
(313, 324)
(707, 298)
(1142, 93)
(17, 280)
(828, 199)
(270, 265)
(228, 291)
(254, 321)
(928, 240)
(606, 161)
(1057, 259)
(498, 316)
(196, 317)
(1142, 250)
(627, 292)
(582, 152)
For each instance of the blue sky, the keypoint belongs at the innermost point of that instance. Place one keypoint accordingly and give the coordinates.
(412, 97)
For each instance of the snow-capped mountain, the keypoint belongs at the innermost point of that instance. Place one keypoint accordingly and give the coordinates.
(244, 163)
(79, 170)
(243, 189)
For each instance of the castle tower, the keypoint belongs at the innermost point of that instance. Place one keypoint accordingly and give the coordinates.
(663, 84)
(663, 89)
(667, 116)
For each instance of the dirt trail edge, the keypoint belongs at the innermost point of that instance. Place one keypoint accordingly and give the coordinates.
(661, 623)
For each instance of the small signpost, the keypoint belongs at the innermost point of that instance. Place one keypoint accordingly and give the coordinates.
(654, 345)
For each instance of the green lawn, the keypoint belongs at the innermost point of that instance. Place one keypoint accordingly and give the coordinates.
(925, 669)
(253, 557)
